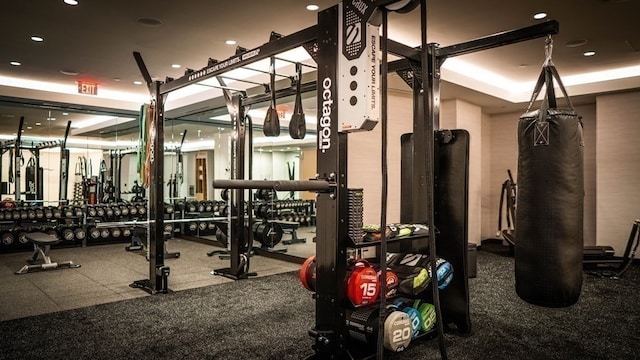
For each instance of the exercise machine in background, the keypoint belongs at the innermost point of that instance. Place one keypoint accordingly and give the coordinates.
(600, 260)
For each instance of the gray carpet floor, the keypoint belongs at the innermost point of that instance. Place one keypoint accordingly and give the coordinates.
(268, 318)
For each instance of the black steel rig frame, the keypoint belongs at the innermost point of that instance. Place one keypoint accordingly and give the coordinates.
(18, 145)
(427, 152)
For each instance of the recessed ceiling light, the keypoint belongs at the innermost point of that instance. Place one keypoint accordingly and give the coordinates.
(38, 124)
(312, 7)
(29, 127)
(230, 42)
(540, 15)
(176, 66)
(589, 53)
(522, 66)
(51, 118)
(65, 113)
(69, 72)
(15, 63)
(71, 2)
(575, 43)
(37, 38)
(149, 21)
(137, 82)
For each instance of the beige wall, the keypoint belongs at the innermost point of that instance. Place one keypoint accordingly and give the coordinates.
(459, 114)
(488, 227)
(364, 165)
(618, 167)
(308, 169)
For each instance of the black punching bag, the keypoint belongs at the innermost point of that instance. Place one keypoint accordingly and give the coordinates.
(549, 217)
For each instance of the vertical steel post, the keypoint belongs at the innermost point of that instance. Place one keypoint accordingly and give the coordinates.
(156, 196)
(237, 195)
(332, 209)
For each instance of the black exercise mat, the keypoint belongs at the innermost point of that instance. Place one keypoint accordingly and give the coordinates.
(268, 318)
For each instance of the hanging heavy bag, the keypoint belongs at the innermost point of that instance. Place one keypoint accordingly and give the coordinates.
(271, 126)
(30, 179)
(549, 244)
(297, 125)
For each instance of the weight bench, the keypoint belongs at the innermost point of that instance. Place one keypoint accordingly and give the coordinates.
(290, 227)
(41, 246)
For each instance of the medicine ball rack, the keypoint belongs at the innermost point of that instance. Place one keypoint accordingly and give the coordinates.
(429, 151)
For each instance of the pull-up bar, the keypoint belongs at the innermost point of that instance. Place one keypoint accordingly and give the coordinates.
(500, 39)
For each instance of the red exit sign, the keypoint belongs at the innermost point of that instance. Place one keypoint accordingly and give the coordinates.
(87, 88)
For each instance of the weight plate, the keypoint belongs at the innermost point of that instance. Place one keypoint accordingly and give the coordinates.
(8, 238)
(94, 233)
(104, 233)
(80, 234)
(67, 234)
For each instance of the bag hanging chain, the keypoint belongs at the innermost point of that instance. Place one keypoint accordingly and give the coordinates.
(548, 50)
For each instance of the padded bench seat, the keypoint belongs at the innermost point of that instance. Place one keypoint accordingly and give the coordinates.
(41, 245)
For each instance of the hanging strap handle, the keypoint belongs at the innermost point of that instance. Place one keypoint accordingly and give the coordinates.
(298, 104)
(546, 78)
(272, 81)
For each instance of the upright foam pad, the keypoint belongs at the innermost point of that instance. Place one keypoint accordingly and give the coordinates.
(549, 218)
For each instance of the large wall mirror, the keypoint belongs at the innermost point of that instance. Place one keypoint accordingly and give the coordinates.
(102, 148)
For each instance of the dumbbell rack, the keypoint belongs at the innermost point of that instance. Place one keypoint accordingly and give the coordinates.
(16, 222)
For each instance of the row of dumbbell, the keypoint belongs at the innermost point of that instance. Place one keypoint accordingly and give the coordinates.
(266, 212)
(53, 212)
(194, 206)
(292, 204)
(122, 210)
(18, 236)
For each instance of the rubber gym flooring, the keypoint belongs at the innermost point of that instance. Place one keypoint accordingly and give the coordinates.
(268, 317)
(105, 274)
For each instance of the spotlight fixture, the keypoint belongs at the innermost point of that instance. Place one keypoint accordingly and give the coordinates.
(176, 66)
(71, 2)
(230, 42)
(15, 63)
(540, 15)
(589, 53)
(137, 82)
(312, 7)
(69, 72)
(37, 38)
